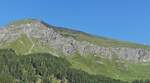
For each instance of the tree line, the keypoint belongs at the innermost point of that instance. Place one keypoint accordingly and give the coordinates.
(43, 68)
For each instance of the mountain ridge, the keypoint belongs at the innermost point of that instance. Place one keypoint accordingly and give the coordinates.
(70, 41)
(33, 20)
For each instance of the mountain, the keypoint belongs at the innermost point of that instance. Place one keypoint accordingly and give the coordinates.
(93, 54)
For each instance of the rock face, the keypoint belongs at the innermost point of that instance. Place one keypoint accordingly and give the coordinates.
(69, 45)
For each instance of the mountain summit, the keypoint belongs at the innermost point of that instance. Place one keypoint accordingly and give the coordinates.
(83, 50)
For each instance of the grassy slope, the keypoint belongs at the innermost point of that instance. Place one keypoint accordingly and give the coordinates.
(102, 41)
(25, 45)
(118, 70)
(21, 45)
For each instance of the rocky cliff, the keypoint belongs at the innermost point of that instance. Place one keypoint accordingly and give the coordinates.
(68, 45)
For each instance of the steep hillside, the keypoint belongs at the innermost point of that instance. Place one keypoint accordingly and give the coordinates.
(96, 55)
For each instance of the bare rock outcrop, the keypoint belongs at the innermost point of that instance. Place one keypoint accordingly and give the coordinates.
(69, 45)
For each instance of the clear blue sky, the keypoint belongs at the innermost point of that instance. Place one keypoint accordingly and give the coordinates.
(120, 19)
